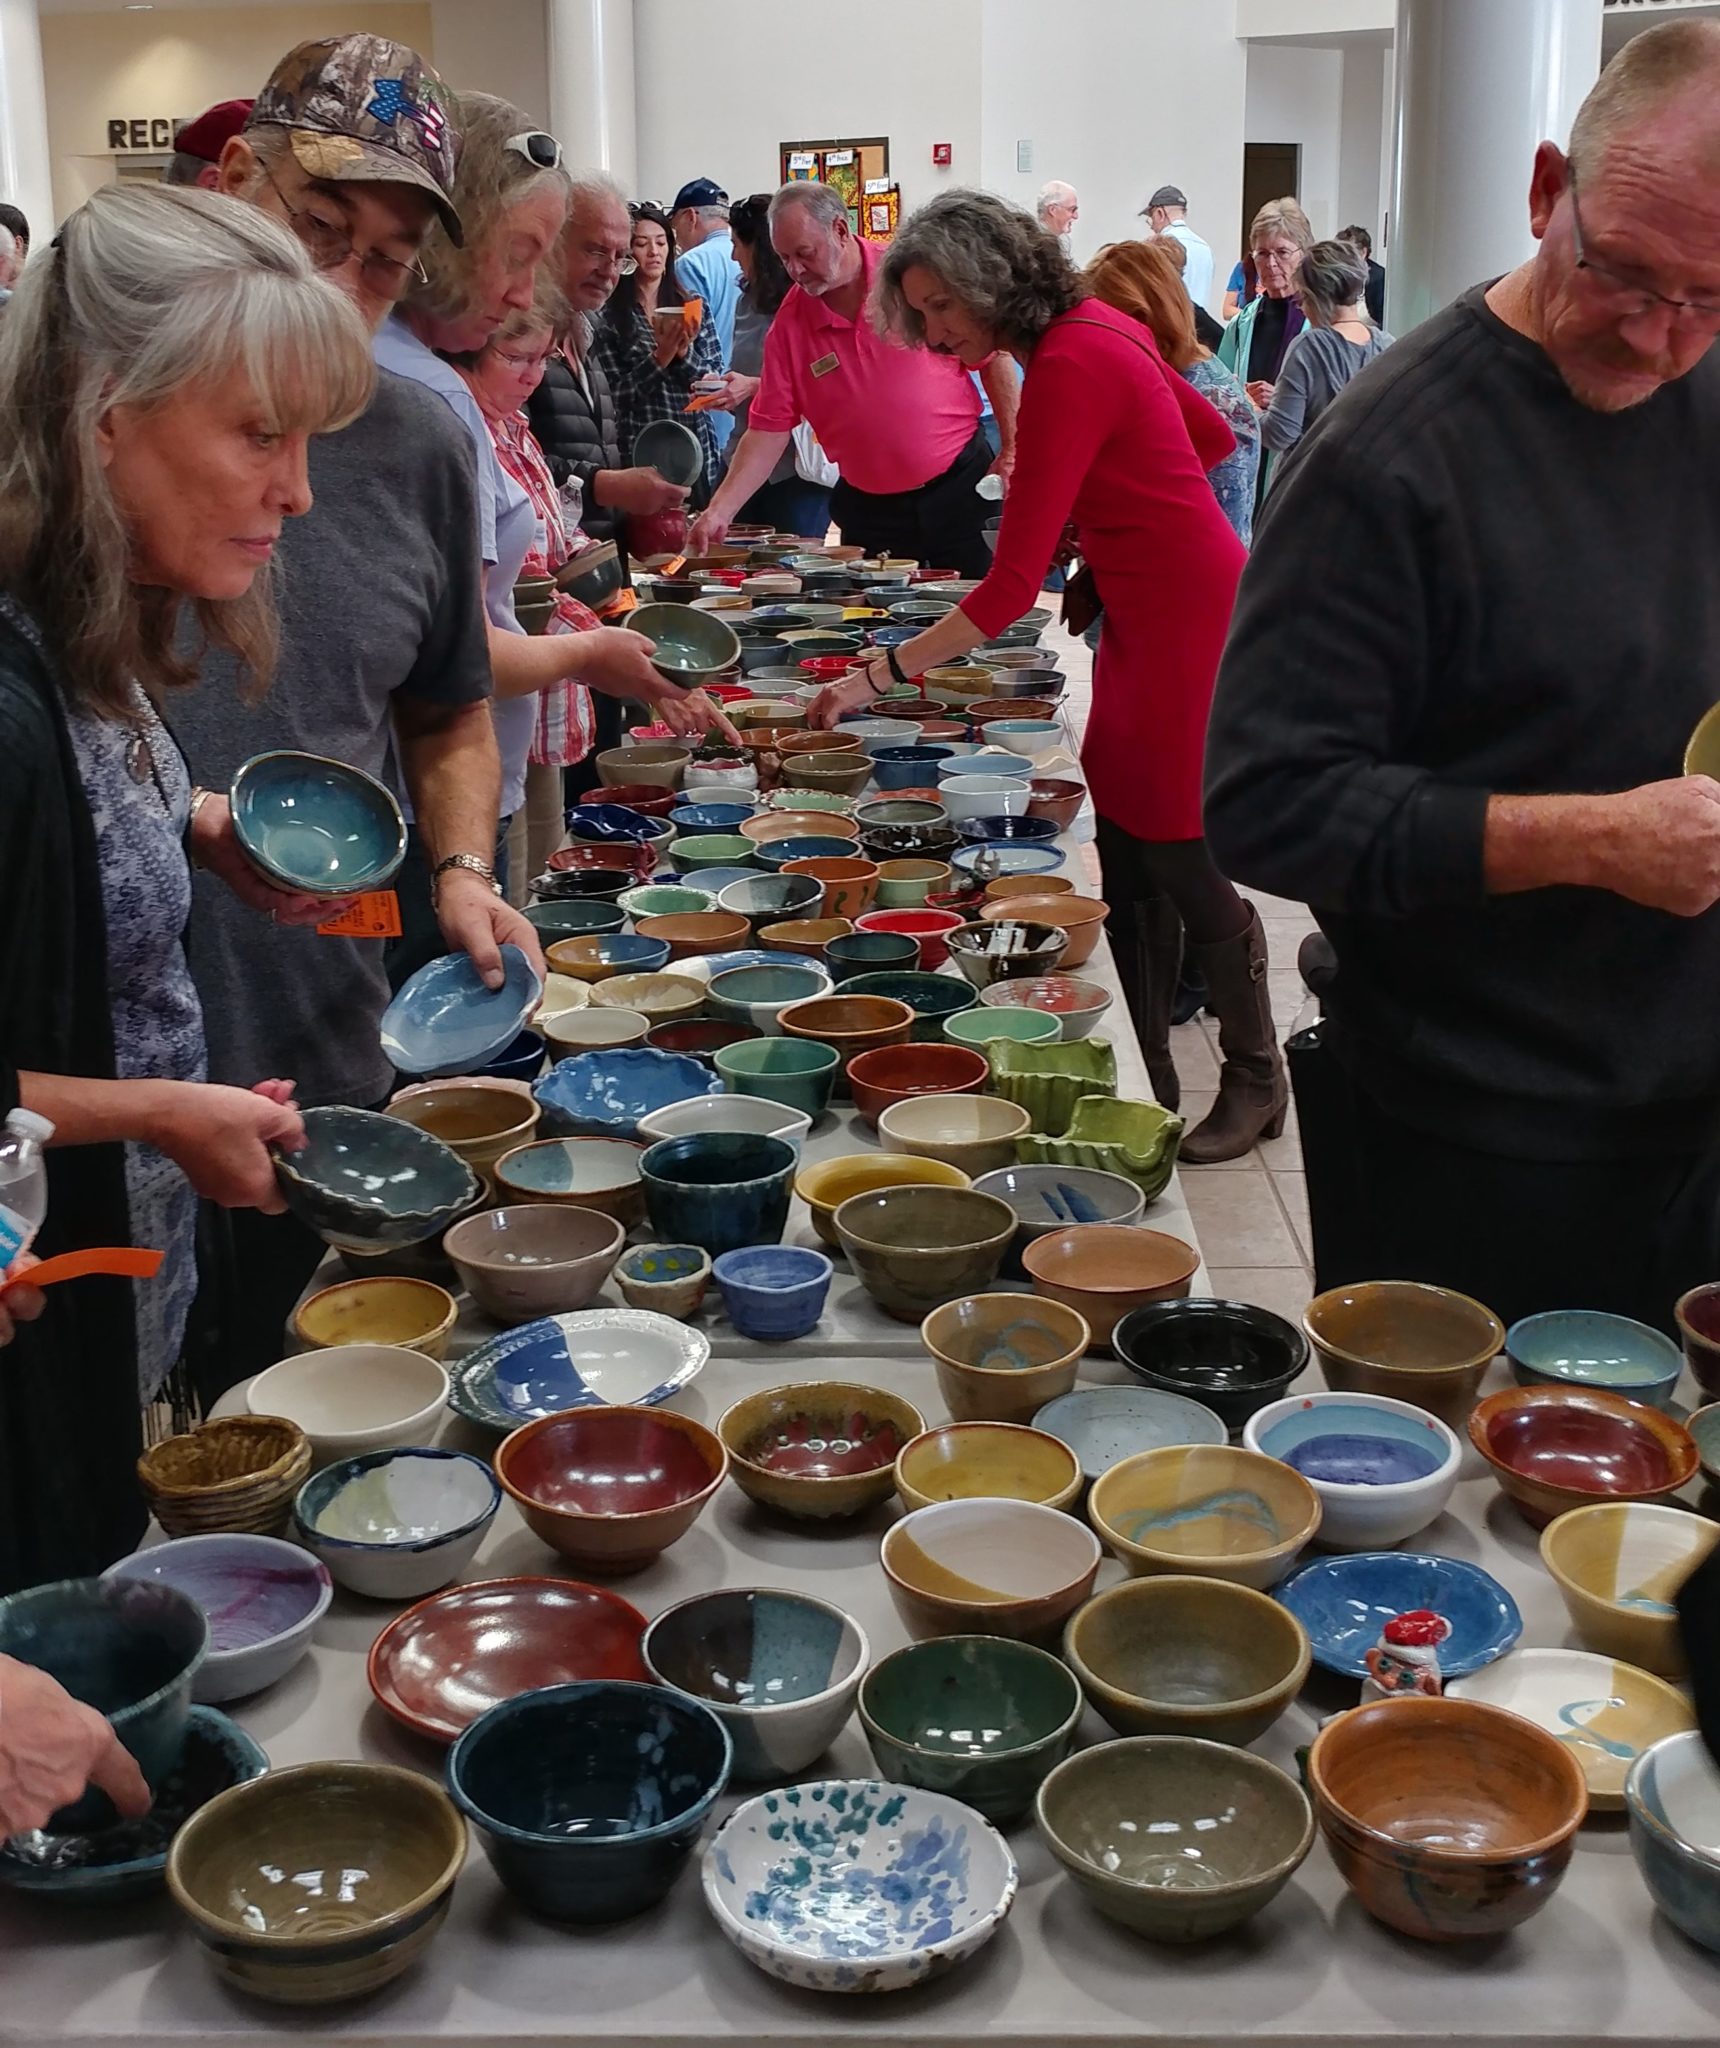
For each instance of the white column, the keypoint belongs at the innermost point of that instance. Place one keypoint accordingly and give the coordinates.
(25, 168)
(1479, 84)
(591, 104)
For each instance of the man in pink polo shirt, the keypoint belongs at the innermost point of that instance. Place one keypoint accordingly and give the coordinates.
(902, 425)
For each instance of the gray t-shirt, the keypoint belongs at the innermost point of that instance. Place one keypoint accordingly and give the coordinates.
(380, 588)
(1317, 365)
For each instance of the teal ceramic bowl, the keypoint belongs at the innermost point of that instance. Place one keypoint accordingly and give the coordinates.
(980, 1718)
(933, 998)
(798, 1072)
(575, 918)
(316, 825)
(982, 1027)
(1573, 1347)
(713, 850)
(658, 899)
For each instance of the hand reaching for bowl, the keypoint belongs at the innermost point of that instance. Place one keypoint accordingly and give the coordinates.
(53, 1749)
(214, 846)
(858, 688)
(640, 491)
(691, 713)
(221, 1138)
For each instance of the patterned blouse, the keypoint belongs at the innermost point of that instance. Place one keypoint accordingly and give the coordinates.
(566, 727)
(1233, 479)
(646, 390)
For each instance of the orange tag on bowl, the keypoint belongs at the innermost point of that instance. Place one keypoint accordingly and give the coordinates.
(375, 915)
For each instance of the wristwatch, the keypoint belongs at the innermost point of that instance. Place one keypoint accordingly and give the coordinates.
(472, 862)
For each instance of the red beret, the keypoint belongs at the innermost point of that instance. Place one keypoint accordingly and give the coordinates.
(210, 133)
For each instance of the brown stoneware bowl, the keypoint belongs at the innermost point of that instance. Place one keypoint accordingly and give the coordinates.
(1103, 1270)
(1056, 798)
(989, 1567)
(1553, 1448)
(690, 933)
(1001, 1357)
(913, 1248)
(848, 1024)
(611, 1488)
(1402, 1338)
(537, 1259)
(805, 935)
(819, 1450)
(1082, 917)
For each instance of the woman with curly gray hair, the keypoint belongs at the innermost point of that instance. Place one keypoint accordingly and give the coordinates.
(1108, 436)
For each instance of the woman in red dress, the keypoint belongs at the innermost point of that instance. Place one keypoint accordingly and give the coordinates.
(1110, 437)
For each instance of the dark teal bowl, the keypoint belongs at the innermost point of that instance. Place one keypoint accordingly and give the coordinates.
(856, 953)
(575, 919)
(931, 997)
(718, 1189)
(588, 1798)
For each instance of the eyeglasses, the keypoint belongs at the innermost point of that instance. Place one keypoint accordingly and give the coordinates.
(1634, 299)
(537, 148)
(329, 246)
(521, 365)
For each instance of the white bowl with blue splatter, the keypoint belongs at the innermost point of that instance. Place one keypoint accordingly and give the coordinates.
(854, 1885)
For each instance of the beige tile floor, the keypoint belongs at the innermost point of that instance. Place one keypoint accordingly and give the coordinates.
(1252, 1214)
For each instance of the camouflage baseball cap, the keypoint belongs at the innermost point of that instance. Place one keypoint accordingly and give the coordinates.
(362, 109)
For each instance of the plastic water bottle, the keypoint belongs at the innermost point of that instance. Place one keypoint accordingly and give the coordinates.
(23, 1182)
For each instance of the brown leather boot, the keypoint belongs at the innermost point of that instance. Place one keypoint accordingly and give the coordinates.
(1253, 1093)
(1147, 943)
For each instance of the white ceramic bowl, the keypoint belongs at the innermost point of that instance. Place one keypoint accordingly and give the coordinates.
(984, 796)
(395, 1525)
(854, 1885)
(750, 1113)
(351, 1398)
(1382, 1469)
(561, 993)
(978, 1133)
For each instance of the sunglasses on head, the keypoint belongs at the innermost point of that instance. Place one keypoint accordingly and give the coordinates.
(537, 148)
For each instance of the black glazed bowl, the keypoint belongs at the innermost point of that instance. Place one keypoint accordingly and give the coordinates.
(1228, 1355)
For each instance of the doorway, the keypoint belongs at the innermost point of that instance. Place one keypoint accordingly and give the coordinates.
(1270, 170)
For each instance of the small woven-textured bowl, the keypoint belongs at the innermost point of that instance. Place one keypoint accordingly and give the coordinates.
(240, 1473)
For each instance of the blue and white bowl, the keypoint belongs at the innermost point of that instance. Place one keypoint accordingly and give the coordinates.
(1344, 1603)
(706, 966)
(443, 1020)
(616, 1357)
(604, 1094)
(1672, 1795)
(1382, 1468)
(853, 1885)
(395, 1525)
(261, 1597)
(711, 817)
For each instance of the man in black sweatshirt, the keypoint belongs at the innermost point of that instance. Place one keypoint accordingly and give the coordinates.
(1481, 619)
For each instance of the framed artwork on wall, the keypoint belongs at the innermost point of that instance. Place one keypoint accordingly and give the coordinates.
(849, 165)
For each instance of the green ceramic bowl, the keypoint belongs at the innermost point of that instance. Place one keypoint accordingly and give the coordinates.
(977, 1717)
(932, 997)
(1176, 1838)
(713, 850)
(799, 1072)
(691, 646)
(574, 917)
(1137, 1140)
(1048, 1080)
(663, 899)
(983, 1027)
(913, 1248)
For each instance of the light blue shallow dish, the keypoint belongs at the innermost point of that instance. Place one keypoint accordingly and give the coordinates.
(1012, 858)
(621, 1357)
(316, 825)
(1105, 1425)
(443, 1020)
(1344, 1603)
(604, 1094)
(1579, 1347)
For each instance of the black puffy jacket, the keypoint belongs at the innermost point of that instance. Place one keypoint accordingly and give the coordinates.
(577, 435)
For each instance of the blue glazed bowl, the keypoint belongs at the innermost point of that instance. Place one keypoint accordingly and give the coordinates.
(773, 1293)
(1579, 1347)
(756, 995)
(872, 953)
(1105, 1425)
(775, 854)
(779, 1670)
(1383, 1469)
(129, 1859)
(708, 966)
(908, 767)
(1344, 1603)
(574, 918)
(719, 1189)
(595, 824)
(262, 1599)
(931, 997)
(1672, 1795)
(316, 825)
(713, 817)
(604, 1094)
(714, 880)
(588, 1798)
(373, 1183)
(443, 1020)
(1001, 831)
(593, 1357)
(521, 1061)
(131, 1650)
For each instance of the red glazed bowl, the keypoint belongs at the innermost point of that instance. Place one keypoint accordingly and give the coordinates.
(450, 1658)
(611, 1488)
(649, 799)
(930, 927)
(825, 668)
(893, 1073)
(1553, 1448)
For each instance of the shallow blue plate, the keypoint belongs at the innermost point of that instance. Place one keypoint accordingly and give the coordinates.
(1344, 1603)
(1104, 1425)
(604, 1094)
(623, 1357)
(1012, 857)
(120, 1862)
(445, 1021)
(316, 825)
(777, 853)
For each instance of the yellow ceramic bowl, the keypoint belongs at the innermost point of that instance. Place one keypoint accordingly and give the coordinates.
(1001, 1357)
(825, 1187)
(1619, 1565)
(1702, 755)
(987, 1461)
(415, 1314)
(1206, 1510)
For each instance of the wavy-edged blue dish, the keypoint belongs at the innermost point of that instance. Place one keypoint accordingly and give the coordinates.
(604, 1094)
(121, 1862)
(620, 1357)
(1344, 1603)
(371, 1182)
(443, 1020)
(315, 825)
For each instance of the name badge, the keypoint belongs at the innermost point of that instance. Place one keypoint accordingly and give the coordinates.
(824, 365)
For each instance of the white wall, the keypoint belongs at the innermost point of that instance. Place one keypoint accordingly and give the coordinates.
(718, 93)
(494, 46)
(1315, 18)
(1296, 95)
(1361, 166)
(1117, 97)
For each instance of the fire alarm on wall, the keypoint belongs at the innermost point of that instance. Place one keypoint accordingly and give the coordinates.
(941, 153)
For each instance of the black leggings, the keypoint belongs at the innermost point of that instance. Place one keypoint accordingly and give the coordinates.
(1182, 869)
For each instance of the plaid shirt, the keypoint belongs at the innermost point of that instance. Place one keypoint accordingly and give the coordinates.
(566, 726)
(645, 390)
